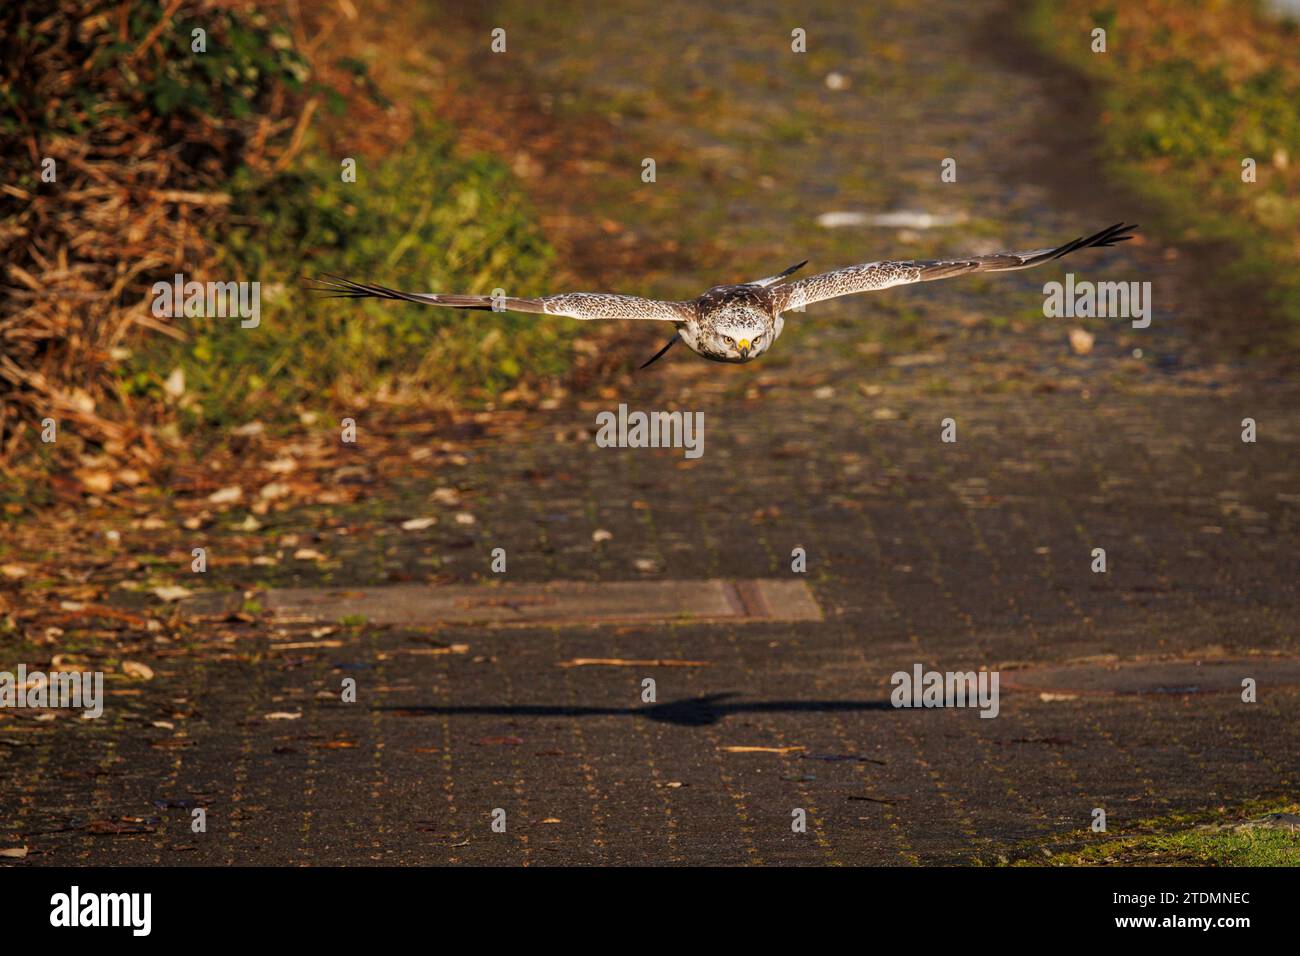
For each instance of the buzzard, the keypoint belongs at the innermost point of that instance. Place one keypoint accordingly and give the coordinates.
(737, 323)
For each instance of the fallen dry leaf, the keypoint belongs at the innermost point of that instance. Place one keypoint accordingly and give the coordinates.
(274, 490)
(96, 482)
(138, 670)
(1081, 341)
(226, 496)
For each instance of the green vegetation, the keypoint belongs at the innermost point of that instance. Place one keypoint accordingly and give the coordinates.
(142, 63)
(422, 219)
(1199, 839)
(1188, 92)
(1258, 847)
(238, 177)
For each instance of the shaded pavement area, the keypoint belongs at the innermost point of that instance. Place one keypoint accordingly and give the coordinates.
(969, 555)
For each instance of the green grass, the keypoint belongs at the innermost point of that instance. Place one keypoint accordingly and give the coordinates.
(1190, 839)
(1186, 93)
(424, 219)
(1195, 848)
(425, 216)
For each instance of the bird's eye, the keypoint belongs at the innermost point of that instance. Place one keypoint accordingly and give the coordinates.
(729, 340)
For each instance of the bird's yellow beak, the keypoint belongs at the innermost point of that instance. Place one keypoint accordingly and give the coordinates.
(742, 344)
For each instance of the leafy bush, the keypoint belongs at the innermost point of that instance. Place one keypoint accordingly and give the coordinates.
(204, 163)
(424, 219)
(140, 134)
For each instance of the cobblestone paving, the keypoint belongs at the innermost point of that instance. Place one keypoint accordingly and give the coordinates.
(957, 556)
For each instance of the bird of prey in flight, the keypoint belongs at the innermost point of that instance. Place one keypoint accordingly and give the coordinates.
(737, 323)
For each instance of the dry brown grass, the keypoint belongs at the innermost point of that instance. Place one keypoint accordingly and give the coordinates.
(134, 188)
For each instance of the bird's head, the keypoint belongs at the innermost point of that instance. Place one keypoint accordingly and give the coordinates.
(741, 336)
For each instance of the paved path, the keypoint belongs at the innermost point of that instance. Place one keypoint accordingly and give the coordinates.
(955, 556)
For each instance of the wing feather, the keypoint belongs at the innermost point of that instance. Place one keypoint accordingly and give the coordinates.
(574, 305)
(873, 276)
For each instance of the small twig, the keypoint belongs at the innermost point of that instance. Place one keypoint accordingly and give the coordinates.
(154, 34)
(299, 134)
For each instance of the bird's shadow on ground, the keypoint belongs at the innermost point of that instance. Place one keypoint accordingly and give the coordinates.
(691, 712)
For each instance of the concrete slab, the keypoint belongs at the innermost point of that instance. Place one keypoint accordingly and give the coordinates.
(554, 602)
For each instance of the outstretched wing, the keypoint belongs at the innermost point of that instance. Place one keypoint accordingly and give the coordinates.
(872, 276)
(575, 305)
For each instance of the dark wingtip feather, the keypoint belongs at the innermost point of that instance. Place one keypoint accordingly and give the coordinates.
(1106, 237)
(337, 287)
(658, 355)
(790, 271)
